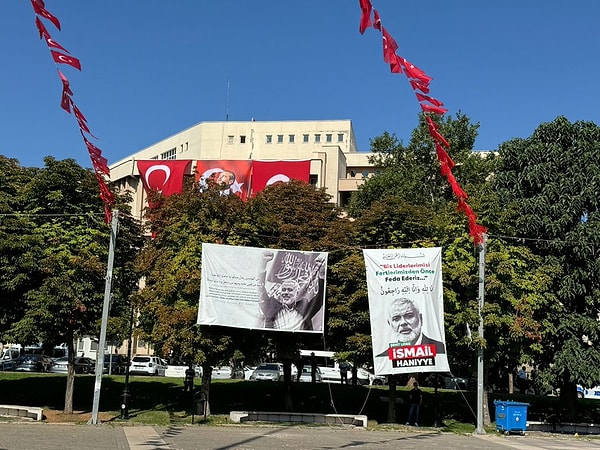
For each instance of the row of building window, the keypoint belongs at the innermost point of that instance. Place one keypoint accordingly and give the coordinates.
(291, 138)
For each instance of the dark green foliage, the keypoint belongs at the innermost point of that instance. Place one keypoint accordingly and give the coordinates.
(549, 186)
(53, 255)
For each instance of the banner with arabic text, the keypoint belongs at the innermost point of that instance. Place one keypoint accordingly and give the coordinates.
(257, 288)
(407, 310)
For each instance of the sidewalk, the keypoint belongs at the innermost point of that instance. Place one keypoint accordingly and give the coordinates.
(43, 436)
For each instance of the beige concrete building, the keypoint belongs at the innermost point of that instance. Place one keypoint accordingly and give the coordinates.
(330, 145)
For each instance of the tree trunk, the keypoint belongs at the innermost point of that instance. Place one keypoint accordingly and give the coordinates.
(205, 387)
(391, 399)
(70, 377)
(568, 400)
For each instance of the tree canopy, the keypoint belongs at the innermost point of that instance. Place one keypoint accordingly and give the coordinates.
(538, 197)
(53, 255)
(549, 186)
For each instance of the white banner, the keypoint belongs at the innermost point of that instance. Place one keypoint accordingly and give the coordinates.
(256, 288)
(407, 310)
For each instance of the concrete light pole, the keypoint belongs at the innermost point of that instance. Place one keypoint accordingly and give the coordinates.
(480, 387)
(105, 308)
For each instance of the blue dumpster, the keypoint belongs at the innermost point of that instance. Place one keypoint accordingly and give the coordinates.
(511, 416)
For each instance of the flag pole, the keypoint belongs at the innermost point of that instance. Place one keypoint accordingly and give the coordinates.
(106, 306)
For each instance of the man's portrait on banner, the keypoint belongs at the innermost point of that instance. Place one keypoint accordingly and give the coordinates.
(295, 294)
(407, 339)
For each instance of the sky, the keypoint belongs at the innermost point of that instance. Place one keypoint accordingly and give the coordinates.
(151, 69)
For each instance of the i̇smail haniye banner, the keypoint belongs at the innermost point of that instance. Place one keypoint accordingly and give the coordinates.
(271, 289)
(407, 310)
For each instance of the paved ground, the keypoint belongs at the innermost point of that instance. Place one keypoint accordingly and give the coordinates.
(35, 436)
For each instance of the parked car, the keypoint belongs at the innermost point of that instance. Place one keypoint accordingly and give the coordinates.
(33, 363)
(268, 372)
(226, 372)
(221, 372)
(458, 383)
(82, 365)
(593, 392)
(367, 377)
(147, 365)
(9, 364)
(116, 363)
(363, 376)
(248, 371)
(306, 375)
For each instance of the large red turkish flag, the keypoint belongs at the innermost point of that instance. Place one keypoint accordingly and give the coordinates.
(164, 176)
(266, 173)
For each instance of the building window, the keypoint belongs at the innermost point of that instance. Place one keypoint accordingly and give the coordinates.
(317, 138)
(292, 138)
(340, 137)
(269, 138)
(184, 148)
(305, 138)
(230, 139)
(329, 137)
(170, 154)
(242, 139)
(313, 179)
(280, 138)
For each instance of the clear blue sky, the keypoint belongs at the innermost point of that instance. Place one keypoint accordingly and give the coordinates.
(153, 68)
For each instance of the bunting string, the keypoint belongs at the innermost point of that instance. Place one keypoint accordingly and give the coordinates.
(419, 81)
(61, 55)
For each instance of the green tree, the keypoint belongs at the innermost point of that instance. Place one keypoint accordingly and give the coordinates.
(59, 242)
(408, 203)
(296, 216)
(549, 187)
(171, 265)
(412, 172)
(18, 267)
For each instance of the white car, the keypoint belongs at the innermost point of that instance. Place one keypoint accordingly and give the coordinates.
(248, 371)
(306, 375)
(588, 393)
(271, 372)
(221, 372)
(147, 365)
(332, 375)
(268, 372)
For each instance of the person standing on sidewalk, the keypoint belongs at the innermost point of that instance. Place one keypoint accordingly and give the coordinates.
(415, 399)
(343, 372)
(188, 381)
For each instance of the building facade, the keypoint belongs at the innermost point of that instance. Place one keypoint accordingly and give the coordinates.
(330, 145)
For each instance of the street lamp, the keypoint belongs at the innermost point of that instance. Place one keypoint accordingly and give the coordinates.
(125, 395)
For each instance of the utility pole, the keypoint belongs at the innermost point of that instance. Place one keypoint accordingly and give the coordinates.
(107, 293)
(480, 390)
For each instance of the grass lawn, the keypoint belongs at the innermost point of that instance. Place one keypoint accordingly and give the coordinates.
(161, 401)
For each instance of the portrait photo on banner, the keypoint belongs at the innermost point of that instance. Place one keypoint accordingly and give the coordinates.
(256, 288)
(406, 310)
